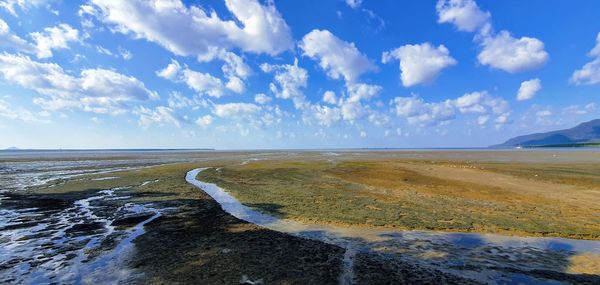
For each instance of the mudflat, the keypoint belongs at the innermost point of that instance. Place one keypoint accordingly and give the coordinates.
(535, 197)
(176, 233)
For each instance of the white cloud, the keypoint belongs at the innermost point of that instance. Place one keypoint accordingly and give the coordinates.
(362, 91)
(352, 110)
(234, 68)
(596, 50)
(481, 102)
(483, 119)
(235, 110)
(502, 51)
(262, 98)
(464, 14)
(363, 134)
(351, 105)
(192, 31)
(236, 85)
(325, 115)
(378, 119)
(103, 50)
(580, 110)
(203, 83)
(53, 38)
(354, 4)
(102, 82)
(24, 5)
(329, 97)
(125, 54)
(502, 120)
(9, 111)
(171, 71)
(204, 121)
(161, 115)
(420, 63)
(178, 101)
(95, 90)
(290, 79)
(87, 10)
(589, 74)
(528, 89)
(337, 57)
(417, 111)
(543, 113)
(10, 40)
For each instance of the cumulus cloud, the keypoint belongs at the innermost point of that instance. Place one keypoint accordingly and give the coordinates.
(420, 63)
(262, 98)
(350, 107)
(329, 97)
(325, 115)
(234, 68)
(10, 40)
(171, 71)
(204, 121)
(160, 115)
(203, 83)
(289, 82)
(417, 111)
(590, 73)
(95, 90)
(53, 38)
(498, 50)
(465, 15)
(24, 5)
(362, 91)
(233, 110)
(192, 31)
(178, 101)
(337, 57)
(528, 89)
(504, 52)
(580, 110)
(354, 4)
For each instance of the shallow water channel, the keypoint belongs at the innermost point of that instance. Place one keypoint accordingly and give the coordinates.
(487, 258)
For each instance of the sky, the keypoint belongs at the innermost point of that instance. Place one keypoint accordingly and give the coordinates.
(282, 74)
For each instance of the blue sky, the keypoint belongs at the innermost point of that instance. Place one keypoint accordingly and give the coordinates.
(240, 74)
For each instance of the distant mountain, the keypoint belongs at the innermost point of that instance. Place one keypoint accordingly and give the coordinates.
(13, 148)
(584, 133)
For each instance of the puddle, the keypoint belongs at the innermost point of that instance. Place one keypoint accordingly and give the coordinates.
(488, 258)
(74, 242)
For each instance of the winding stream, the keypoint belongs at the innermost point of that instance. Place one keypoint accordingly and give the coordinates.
(488, 258)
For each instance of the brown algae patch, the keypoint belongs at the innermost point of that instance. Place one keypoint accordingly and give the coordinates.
(420, 195)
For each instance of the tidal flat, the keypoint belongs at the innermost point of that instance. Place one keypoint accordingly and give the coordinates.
(368, 217)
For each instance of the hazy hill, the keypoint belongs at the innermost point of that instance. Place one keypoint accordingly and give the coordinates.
(588, 132)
